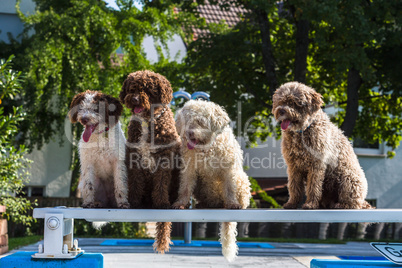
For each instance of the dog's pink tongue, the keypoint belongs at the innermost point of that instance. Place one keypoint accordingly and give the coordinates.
(138, 109)
(191, 144)
(88, 132)
(285, 124)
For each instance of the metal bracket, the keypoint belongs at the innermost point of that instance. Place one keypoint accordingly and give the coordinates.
(58, 239)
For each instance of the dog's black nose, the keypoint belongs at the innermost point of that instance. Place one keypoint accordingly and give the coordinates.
(282, 112)
(190, 134)
(136, 99)
(84, 120)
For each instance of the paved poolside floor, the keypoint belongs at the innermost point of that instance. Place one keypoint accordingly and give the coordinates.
(284, 255)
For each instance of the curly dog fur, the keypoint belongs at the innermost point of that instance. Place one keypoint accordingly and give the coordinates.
(320, 159)
(213, 171)
(153, 144)
(103, 181)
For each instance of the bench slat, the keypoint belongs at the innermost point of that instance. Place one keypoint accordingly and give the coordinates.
(223, 215)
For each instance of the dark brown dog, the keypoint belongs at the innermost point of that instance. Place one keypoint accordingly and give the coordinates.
(152, 152)
(320, 159)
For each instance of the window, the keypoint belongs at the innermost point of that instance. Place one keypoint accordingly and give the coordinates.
(368, 149)
(33, 191)
(359, 143)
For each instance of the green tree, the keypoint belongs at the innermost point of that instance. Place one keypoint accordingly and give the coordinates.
(347, 50)
(13, 164)
(69, 46)
(73, 48)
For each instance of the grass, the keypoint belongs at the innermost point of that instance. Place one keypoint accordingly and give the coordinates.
(17, 242)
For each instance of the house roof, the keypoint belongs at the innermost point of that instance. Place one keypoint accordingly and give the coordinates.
(214, 14)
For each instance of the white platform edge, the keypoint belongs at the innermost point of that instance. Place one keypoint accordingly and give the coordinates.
(223, 215)
(67, 256)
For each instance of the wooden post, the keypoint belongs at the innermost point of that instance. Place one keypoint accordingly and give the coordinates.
(3, 233)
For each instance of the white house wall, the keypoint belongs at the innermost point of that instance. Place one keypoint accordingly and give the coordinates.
(176, 47)
(264, 160)
(384, 178)
(51, 168)
(9, 20)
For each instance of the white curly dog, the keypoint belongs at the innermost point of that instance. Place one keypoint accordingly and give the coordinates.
(213, 166)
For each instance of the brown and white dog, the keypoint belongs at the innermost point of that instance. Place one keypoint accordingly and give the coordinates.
(103, 181)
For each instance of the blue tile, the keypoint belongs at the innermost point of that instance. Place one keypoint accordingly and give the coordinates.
(23, 259)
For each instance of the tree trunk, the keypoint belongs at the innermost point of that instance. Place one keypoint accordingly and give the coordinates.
(352, 104)
(266, 47)
(302, 42)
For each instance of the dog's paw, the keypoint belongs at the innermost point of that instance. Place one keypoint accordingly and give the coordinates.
(310, 206)
(233, 206)
(98, 205)
(290, 206)
(88, 205)
(178, 205)
(346, 206)
(124, 205)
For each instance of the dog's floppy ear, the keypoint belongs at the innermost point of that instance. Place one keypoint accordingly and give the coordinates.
(180, 121)
(275, 98)
(316, 101)
(165, 91)
(74, 106)
(124, 89)
(114, 106)
(220, 118)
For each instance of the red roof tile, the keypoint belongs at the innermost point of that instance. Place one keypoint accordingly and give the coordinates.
(214, 14)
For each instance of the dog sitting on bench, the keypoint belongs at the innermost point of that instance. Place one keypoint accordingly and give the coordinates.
(103, 181)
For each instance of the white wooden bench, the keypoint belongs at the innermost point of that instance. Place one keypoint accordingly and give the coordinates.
(59, 221)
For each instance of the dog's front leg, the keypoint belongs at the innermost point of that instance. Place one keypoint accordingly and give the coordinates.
(229, 190)
(295, 187)
(87, 185)
(186, 189)
(120, 185)
(315, 180)
(135, 178)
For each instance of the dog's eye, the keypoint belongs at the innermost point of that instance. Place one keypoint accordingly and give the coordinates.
(203, 122)
(95, 108)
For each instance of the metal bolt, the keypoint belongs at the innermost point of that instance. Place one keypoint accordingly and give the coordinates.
(53, 223)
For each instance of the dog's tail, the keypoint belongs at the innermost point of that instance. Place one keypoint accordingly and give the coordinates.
(162, 241)
(98, 224)
(227, 237)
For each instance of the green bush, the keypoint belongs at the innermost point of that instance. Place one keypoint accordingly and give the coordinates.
(82, 228)
(13, 164)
